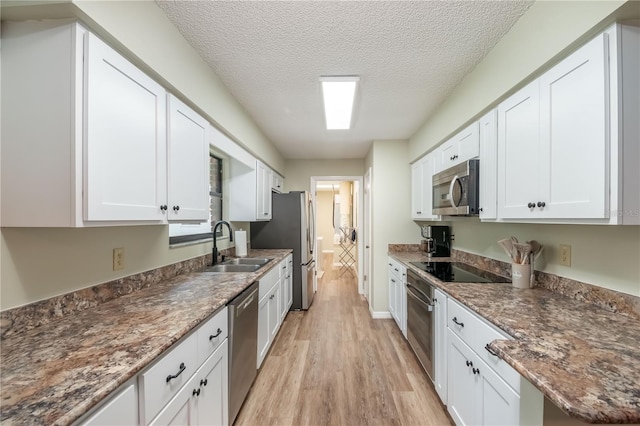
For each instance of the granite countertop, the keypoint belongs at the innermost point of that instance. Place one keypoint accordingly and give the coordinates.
(585, 359)
(55, 373)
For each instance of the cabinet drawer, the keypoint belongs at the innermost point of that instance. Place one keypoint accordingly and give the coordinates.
(396, 268)
(477, 334)
(156, 390)
(282, 268)
(268, 281)
(211, 334)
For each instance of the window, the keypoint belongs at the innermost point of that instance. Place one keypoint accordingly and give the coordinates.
(186, 232)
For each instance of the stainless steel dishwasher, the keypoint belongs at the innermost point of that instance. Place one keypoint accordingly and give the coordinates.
(243, 347)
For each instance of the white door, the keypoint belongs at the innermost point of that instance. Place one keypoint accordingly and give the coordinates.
(125, 164)
(574, 135)
(519, 155)
(188, 158)
(367, 234)
(488, 166)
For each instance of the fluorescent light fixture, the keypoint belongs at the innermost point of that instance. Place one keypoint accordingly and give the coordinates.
(338, 93)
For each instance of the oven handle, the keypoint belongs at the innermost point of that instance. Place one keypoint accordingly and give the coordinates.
(422, 302)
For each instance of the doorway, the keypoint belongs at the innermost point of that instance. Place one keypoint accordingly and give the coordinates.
(339, 219)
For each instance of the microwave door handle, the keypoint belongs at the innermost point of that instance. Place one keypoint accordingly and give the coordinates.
(451, 186)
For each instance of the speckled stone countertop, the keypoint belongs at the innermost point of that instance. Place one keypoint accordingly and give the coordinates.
(55, 373)
(585, 359)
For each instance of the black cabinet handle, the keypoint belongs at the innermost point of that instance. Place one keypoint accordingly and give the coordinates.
(196, 392)
(481, 209)
(455, 320)
(541, 204)
(531, 205)
(469, 363)
(476, 370)
(490, 350)
(163, 207)
(418, 212)
(204, 382)
(170, 377)
(213, 336)
(176, 208)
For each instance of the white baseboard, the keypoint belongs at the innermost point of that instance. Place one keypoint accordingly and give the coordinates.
(380, 314)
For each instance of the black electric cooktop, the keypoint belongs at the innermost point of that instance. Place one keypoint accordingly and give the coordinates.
(459, 272)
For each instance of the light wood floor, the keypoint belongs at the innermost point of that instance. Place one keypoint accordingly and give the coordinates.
(334, 365)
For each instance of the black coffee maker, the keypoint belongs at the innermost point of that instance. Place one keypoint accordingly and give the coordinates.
(437, 241)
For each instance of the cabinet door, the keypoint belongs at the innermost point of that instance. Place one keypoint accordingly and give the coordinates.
(122, 409)
(440, 352)
(497, 403)
(212, 402)
(188, 158)
(290, 284)
(488, 166)
(392, 293)
(284, 283)
(263, 191)
(274, 312)
(125, 165)
(263, 328)
(519, 155)
(461, 383)
(447, 155)
(421, 188)
(417, 185)
(574, 135)
(468, 143)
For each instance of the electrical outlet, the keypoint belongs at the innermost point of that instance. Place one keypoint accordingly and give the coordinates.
(565, 254)
(118, 259)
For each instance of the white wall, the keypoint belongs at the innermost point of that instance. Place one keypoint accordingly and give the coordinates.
(604, 256)
(41, 263)
(390, 196)
(298, 172)
(324, 213)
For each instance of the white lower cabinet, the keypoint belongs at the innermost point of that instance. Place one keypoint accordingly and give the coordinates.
(120, 410)
(397, 277)
(203, 400)
(479, 392)
(440, 344)
(271, 312)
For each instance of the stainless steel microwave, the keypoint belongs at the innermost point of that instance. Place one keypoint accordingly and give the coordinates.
(456, 190)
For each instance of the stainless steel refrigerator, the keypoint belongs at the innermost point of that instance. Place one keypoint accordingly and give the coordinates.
(291, 226)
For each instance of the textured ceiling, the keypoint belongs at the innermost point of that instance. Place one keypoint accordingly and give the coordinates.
(409, 56)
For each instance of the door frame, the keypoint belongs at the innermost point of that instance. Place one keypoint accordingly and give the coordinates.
(360, 219)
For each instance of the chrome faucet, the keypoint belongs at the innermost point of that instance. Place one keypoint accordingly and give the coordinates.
(215, 243)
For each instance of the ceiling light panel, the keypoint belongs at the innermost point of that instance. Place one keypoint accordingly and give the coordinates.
(338, 94)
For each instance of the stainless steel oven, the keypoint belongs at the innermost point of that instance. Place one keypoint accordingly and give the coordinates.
(420, 320)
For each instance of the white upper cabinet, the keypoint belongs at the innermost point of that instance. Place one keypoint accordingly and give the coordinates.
(277, 182)
(250, 192)
(462, 147)
(421, 188)
(489, 166)
(125, 139)
(518, 152)
(188, 197)
(553, 141)
(561, 139)
(99, 154)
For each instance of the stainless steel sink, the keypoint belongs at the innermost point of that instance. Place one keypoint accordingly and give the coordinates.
(225, 267)
(246, 261)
